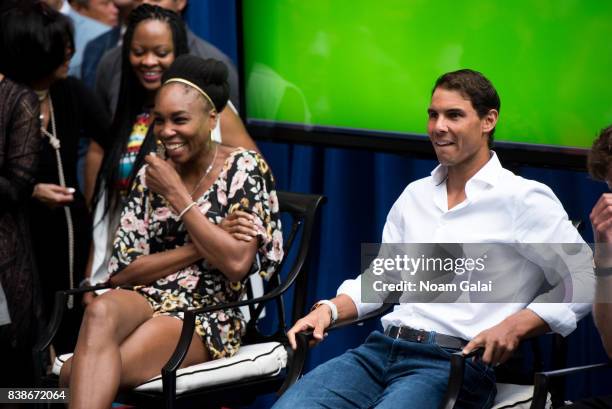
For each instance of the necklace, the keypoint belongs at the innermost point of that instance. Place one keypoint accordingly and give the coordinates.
(208, 169)
(55, 143)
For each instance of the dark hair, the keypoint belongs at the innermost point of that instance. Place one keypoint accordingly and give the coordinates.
(600, 155)
(474, 86)
(34, 39)
(210, 75)
(132, 97)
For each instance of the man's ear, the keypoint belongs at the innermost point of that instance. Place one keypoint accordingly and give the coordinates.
(489, 120)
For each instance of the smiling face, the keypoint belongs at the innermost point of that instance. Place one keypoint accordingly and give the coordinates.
(182, 122)
(459, 136)
(151, 52)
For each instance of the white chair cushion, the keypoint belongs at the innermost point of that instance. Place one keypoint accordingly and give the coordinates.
(514, 396)
(251, 361)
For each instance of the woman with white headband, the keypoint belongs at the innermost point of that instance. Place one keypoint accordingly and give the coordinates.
(169, 248)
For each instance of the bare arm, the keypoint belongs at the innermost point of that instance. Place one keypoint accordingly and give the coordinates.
(233, 257)
(602, 312)
(601, 220)
(146, 269)
(320, 318)
(93, 160)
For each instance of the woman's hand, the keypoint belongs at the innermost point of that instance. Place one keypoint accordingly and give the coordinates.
(240, 225)
(53, 195)
(162, 178)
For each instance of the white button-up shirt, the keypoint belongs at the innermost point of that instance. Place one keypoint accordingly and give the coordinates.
(500, 207)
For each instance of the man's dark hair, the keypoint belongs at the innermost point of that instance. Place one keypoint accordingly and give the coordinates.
(474, 86)
(600, 155)
(34, 39)
(132, 96)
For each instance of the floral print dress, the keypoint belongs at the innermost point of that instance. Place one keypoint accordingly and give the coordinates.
(149, 225)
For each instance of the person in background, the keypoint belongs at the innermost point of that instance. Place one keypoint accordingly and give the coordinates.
(108, 75)
(95, 49)
(154, 38)
(20, 298)
(37, 47)
(600, 168)
(169, 248)
(91, 18)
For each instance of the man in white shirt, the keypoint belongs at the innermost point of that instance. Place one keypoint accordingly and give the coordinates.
(469, 198)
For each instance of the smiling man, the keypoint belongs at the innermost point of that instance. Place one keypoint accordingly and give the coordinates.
(469, 198)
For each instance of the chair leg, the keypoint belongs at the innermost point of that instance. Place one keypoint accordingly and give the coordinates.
(455, 382)
(540, 392)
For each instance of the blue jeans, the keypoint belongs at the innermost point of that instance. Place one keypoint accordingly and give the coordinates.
(389, 373)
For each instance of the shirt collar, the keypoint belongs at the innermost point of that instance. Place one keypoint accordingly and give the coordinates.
(489, 173)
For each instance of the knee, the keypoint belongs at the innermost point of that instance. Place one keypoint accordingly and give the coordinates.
(64, 377)
(100, 317)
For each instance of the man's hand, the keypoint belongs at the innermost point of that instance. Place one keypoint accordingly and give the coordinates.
(240, 224)
(500, 341)
(601, 220)
(318, 320)
(53, 195)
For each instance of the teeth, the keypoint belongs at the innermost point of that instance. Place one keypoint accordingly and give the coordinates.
(174, 146)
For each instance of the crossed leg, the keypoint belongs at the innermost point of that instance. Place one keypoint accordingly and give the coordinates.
(121, 345)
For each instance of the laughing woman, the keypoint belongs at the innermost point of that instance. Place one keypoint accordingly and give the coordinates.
(154, 38)
(170, 248)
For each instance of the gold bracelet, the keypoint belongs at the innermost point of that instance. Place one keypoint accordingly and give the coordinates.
(186, 209)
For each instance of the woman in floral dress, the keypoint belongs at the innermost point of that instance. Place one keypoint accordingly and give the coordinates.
(169, 248)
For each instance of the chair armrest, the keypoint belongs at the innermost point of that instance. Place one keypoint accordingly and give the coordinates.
(189, 327)
(572, 370)
(358, 321)
(295, 361)
(542, 381)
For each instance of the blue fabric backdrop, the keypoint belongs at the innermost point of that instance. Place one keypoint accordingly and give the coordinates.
(360, 187)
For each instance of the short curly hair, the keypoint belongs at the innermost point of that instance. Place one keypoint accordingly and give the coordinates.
(600, 155)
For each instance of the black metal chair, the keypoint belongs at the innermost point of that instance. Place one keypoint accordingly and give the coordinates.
(515, 378)
(162, 391)
(544, 381)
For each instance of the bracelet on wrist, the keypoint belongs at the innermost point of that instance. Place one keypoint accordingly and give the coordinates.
(186, 209)
(603, 271)
(332, 308)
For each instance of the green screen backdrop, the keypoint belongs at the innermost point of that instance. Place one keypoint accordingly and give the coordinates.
(371, 65)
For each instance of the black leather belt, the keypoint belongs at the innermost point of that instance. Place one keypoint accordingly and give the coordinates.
(422, 336)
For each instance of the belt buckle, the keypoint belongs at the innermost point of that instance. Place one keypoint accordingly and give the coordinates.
(421, 336)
